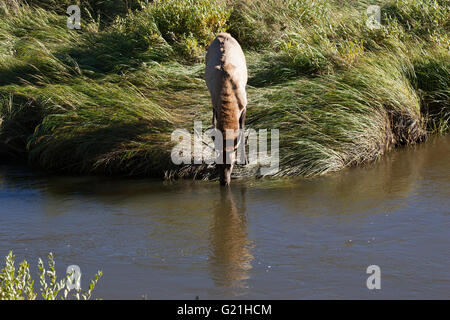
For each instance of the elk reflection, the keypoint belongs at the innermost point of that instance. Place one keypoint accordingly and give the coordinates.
(230, 255)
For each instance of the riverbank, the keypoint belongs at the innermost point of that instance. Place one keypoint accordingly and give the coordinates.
(105, 99)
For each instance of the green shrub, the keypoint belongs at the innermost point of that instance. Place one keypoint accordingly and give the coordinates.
(189, 25)
(18, 284)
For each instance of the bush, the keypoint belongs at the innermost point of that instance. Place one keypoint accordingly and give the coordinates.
(189, 25)
(18, 285)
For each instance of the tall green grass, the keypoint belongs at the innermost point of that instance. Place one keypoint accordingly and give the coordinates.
(105, 99)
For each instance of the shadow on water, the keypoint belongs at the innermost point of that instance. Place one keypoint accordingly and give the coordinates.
(231, 256)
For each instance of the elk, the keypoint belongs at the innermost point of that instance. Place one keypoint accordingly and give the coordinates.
(226, 78)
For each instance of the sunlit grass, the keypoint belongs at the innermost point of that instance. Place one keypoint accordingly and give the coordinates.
(105, 99)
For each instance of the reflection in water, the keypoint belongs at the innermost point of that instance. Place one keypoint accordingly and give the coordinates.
(231, 256)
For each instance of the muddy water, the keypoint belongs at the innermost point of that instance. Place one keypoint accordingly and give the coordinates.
(295, 239)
